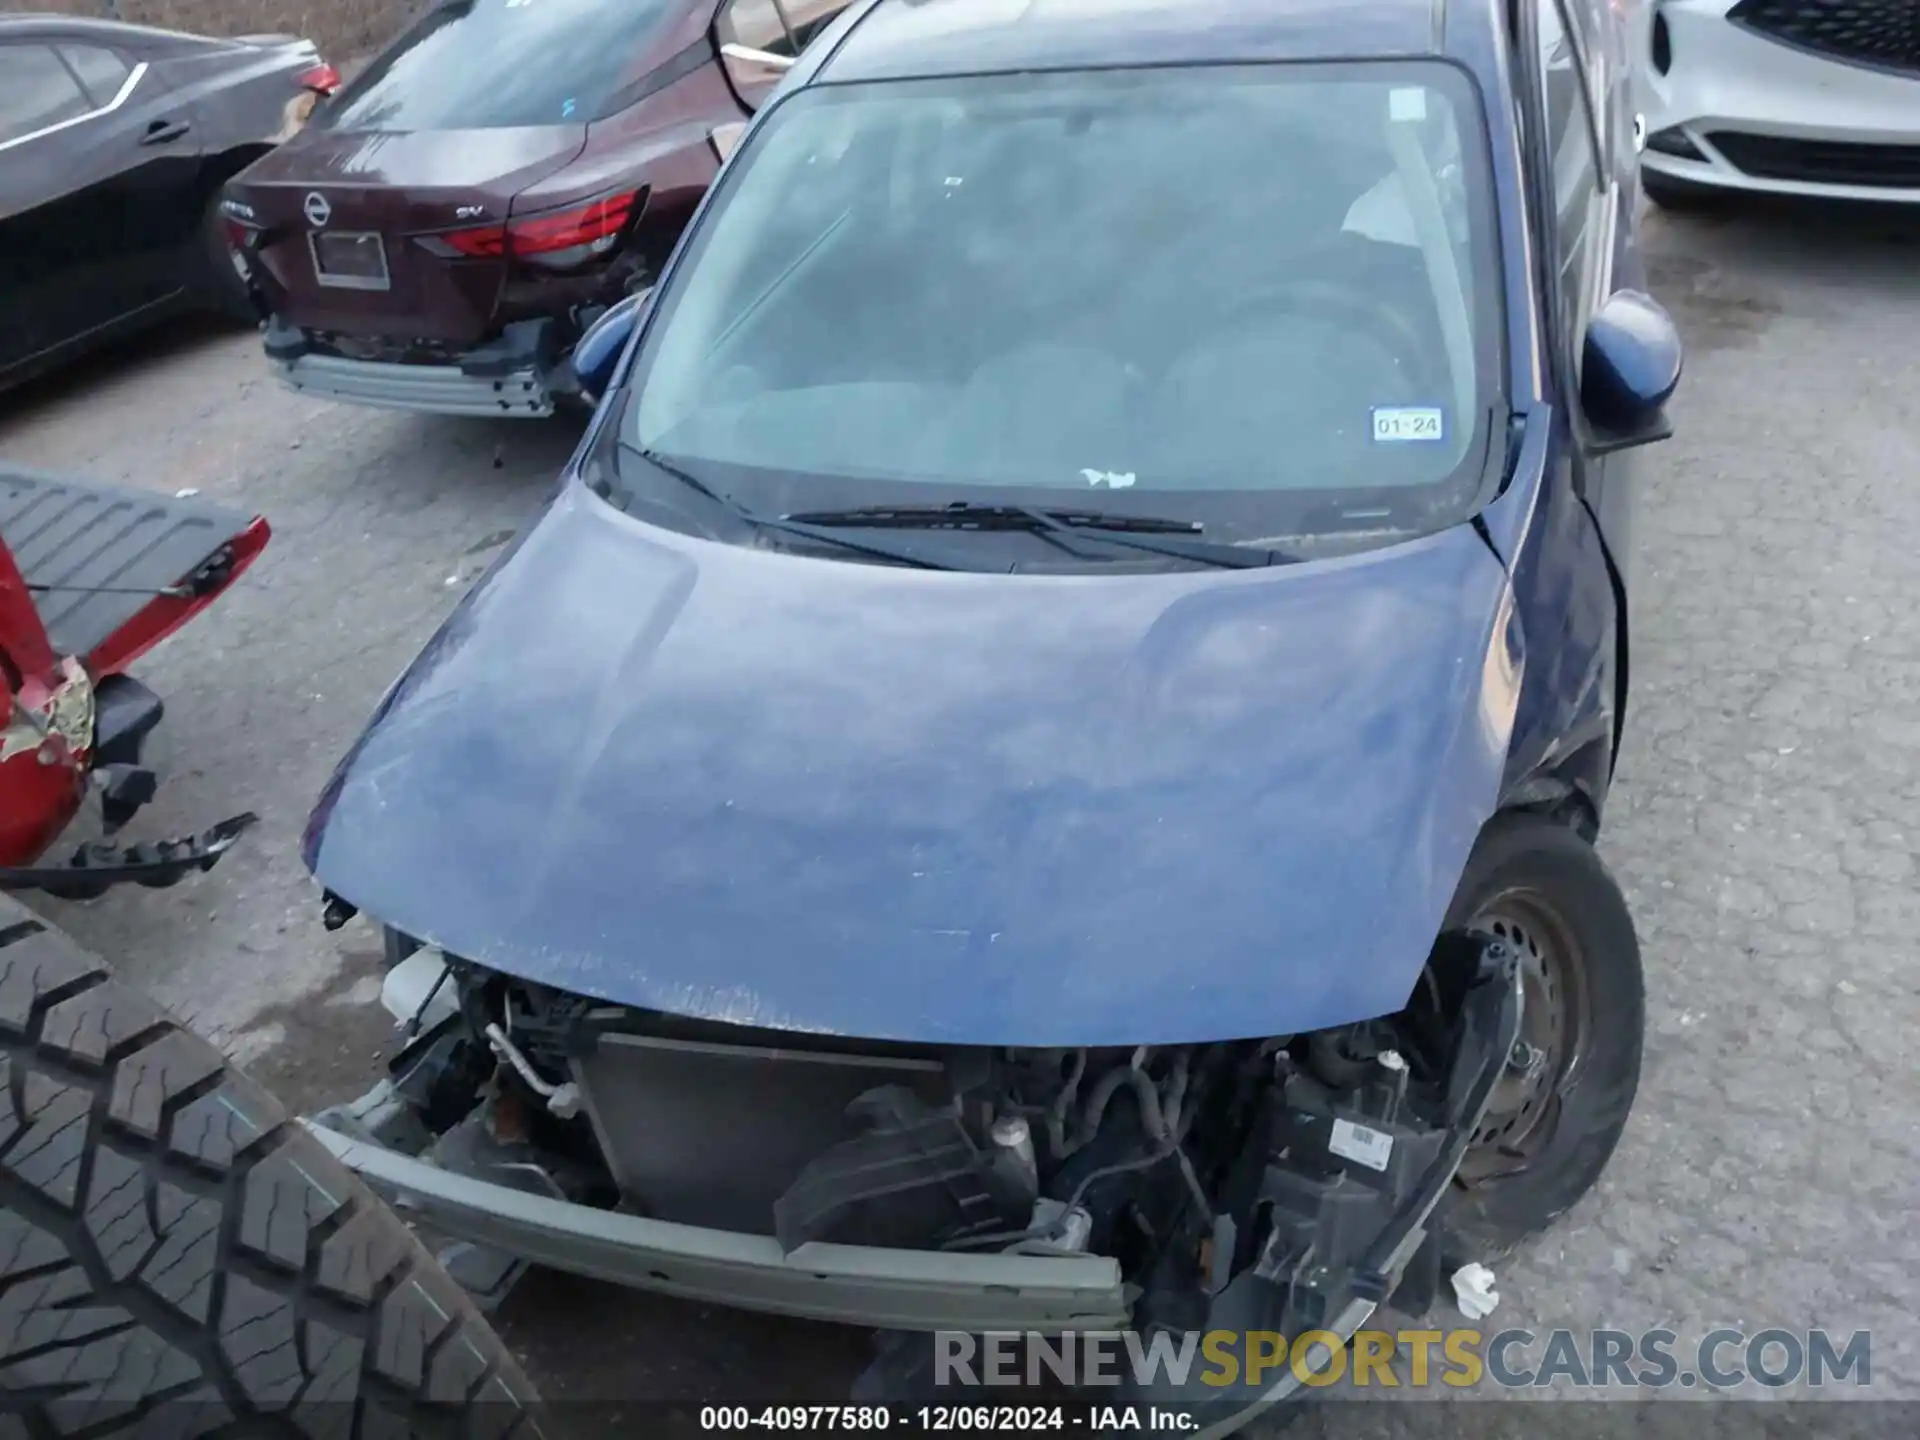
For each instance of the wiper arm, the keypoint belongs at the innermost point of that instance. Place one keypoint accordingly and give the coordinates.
(964, 515)
(1178, 538)
(788, 525)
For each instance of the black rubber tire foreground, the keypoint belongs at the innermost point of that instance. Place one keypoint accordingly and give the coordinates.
(177, 1256)
(1492, 1219)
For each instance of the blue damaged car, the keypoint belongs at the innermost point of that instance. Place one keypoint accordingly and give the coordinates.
(1039, 771)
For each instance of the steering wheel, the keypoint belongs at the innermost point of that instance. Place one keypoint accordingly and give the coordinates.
(1358, 315)
(1264, 387)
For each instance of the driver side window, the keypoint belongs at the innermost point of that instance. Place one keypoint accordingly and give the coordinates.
(1572, 156)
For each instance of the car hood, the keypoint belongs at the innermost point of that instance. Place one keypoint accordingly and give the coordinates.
(924, 806)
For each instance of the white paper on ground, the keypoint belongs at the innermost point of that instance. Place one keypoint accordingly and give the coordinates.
(1473, 1291)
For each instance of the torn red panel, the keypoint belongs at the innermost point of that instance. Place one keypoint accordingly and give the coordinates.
(167, 613)
(45, 749)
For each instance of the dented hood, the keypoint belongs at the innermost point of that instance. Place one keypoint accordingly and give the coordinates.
(925, 806)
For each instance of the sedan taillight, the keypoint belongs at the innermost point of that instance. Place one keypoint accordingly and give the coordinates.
(560, 240)
(575, 236)
(483, 243)
(242, 227)
(322, 79)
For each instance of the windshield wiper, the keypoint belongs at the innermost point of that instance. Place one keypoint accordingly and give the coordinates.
(1178, 538)
(789, 525)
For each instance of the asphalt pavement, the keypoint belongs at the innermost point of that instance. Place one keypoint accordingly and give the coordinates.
(1766, 821)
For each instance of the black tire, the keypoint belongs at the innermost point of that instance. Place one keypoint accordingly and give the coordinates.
(174, 1251)
(224, 292)
(1679, 195)
(1537, 884)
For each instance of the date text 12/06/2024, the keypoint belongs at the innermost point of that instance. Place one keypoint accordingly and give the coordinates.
(1721, 1361)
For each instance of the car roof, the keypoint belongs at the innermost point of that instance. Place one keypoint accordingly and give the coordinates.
(82, 29)
(897, 39)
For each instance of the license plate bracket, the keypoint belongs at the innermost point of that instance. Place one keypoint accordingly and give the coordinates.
(349, 260)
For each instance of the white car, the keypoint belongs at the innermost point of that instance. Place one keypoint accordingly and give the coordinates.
(1792, 97)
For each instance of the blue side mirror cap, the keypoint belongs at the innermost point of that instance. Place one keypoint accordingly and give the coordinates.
(1630, 369)
(600, 349)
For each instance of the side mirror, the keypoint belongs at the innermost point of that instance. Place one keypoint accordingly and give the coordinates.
(1630, 369)
(600, 349)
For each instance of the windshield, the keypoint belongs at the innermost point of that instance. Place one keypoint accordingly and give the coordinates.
(491, 64)
(1259, 296)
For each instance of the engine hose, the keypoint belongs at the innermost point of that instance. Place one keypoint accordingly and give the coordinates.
(1193, 1184)
(1177, 1095)
(509, 1052)
(1057, 1116)
(998, 1239)
(1332, 1063)
(1152, 1119)
(1096, 1109)
(1147, 1162)
(1123, 1167)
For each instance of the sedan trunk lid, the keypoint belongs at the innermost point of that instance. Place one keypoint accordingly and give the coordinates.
(341, 215)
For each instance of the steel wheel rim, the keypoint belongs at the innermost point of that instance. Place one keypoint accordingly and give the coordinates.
(1524, 1111)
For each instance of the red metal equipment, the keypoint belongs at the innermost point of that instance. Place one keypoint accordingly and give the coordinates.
(91, 579)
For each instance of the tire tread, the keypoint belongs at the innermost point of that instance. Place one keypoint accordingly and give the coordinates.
(176, 1254)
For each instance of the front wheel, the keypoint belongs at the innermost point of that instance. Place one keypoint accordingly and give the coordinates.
(1558, 1112)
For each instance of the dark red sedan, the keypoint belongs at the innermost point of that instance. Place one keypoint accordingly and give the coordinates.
(450, 222)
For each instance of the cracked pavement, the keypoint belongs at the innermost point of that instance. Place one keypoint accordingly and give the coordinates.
(1766, 820)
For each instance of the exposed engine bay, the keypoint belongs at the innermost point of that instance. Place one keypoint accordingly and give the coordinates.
(1283, 1184)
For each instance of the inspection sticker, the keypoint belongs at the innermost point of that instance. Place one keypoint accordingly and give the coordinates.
(1363, 1146)
(1397, 424)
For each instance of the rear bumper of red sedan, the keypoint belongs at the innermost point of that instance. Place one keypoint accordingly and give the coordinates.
(522, 375)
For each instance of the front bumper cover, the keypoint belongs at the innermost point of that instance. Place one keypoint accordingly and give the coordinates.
(853, 1284)
(1724, 77)
(903, 1289)
(156, 864)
